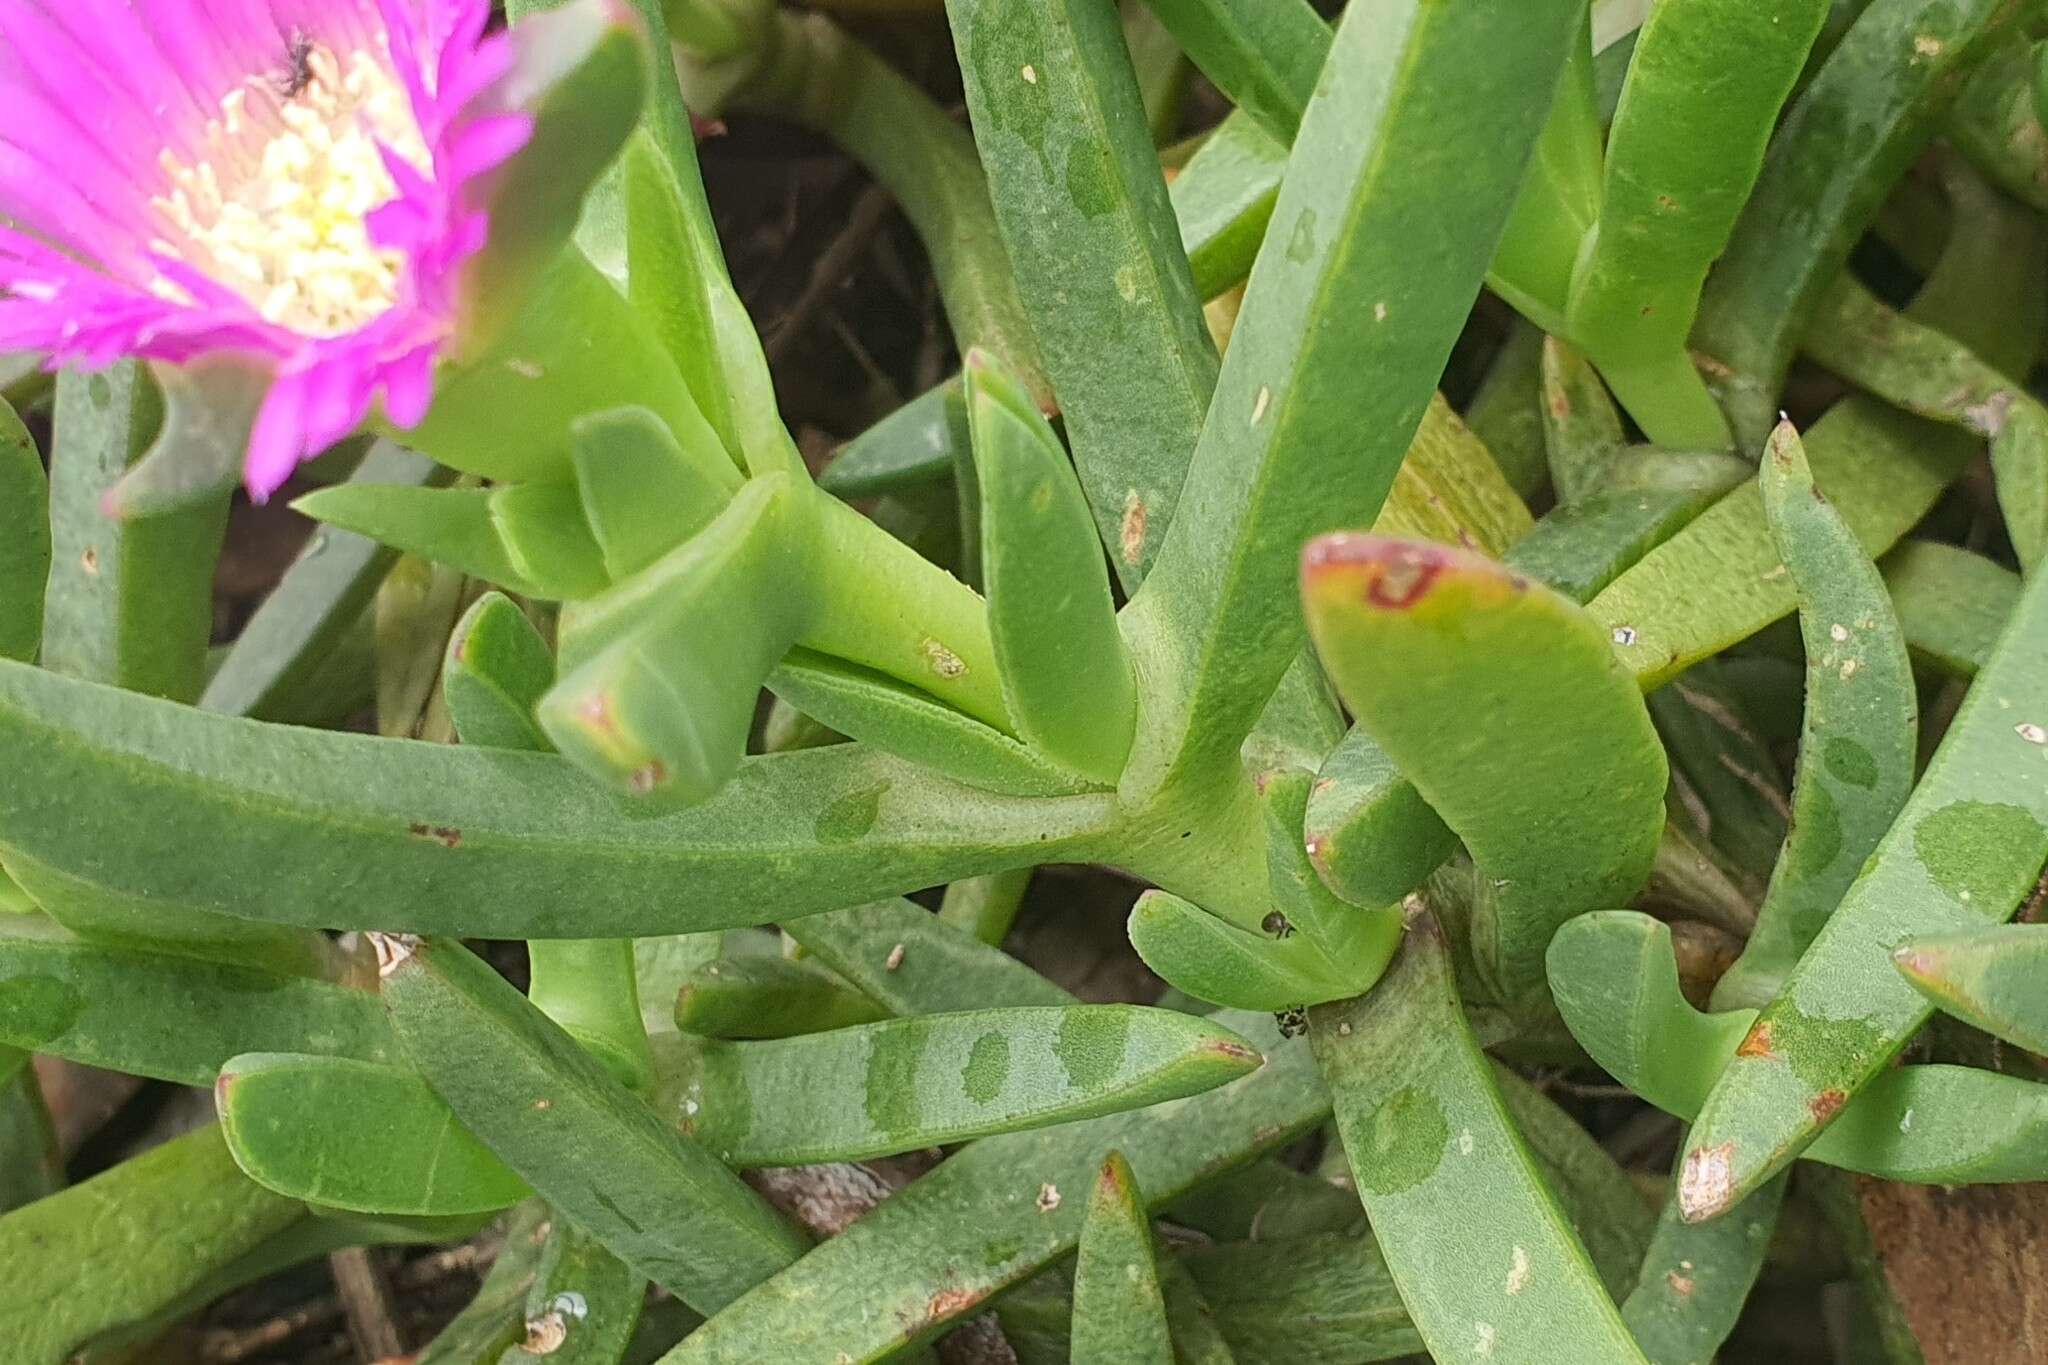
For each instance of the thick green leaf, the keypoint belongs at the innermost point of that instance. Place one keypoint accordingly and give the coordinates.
(908, 961)
(292, 640)
(1484, 1258)
(363, 1136)
(917, 444)
(660, 967)
(1559, 199)
(1951, 604)
(451, 526)
(130, 604)
(1449, 489)
(663, 701)
(1067, 678)
(584, 1302)
(906, 1084)
(1264, 55)
(584, 1142)
(173, 1018)
(574, 347)
(495, 672)
(1223, 199)
(1617, 987)
(1581, 430)
(1191, 1326)
(1719, 580)
(1605, 1207)
(1320, 1299)
(900, 719)
(1083, 210)
(185, 1214)
(1346, 286)
(1433, 650)
(642, 491)
(1926, 372)
(31, 1163)
(1119, 1311)
(1704, 86)
(1969, 844)
(580, 71)
(1359, 941)
(1370, 834)
(1861, 725)
(998, 1212)
(764, 996)
(493, 1322)
(1697, 1277)
(1990, 978)
(1995, 124)
(1647, 497)
(1507, 410)
(542, 527)
(350, 831)
(1211, 959)
(24, 539)
(590, 988)
(1847, 138)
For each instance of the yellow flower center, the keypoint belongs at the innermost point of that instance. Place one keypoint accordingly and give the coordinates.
(274, 209)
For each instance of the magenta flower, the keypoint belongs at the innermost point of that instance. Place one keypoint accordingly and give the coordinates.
(294, 183)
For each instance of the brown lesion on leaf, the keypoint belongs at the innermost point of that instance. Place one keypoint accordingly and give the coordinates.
(951, 1302)
(1131, 530)
(1404, 581)
(1757, 1042)
(1827, 1104)
(1706, 1182)
(1681, 1285)
(447, 836)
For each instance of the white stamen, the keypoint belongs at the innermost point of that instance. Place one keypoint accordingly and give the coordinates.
(280, 221)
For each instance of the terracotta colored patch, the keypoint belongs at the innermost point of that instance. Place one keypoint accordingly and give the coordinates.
(949, 1303)
(1827, 1104)
(1681, 1285)
(1757, 1042)
(445, 835)
(1403, 582)
(1131, 531)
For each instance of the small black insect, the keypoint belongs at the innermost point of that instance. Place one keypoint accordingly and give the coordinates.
(1276, 925)
(298, 67)
(1293, 1022)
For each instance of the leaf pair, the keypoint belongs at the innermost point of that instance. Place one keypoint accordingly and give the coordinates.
(1067, 678)
(635, 492)
(1311, 947)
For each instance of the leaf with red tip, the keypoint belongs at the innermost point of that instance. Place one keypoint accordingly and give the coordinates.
(1502, 702)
